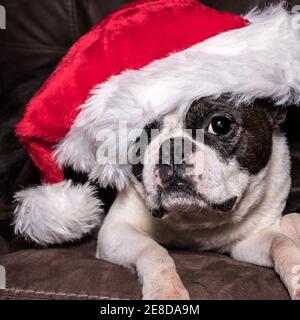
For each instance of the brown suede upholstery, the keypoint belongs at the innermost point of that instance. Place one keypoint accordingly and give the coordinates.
(74, 273)
(38, 34)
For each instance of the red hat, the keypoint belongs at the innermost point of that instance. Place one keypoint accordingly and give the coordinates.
(147, 59)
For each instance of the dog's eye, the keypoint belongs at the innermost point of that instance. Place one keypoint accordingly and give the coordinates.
(220, 126)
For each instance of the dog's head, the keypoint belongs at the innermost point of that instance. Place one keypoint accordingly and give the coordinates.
(207, 160)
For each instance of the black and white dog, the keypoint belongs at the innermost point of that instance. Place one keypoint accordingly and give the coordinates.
(232, 202)
(216, 173)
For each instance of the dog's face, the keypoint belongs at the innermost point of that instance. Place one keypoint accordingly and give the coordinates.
(206, 160)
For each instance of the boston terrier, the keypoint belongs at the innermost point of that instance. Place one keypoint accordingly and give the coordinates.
(216, 178)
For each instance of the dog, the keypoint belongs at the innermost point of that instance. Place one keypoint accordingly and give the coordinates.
(227, 193)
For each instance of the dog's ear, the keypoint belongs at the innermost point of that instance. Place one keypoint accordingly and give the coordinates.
(276, 114)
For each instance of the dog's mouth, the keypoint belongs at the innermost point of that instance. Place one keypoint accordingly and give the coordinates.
(180, 196)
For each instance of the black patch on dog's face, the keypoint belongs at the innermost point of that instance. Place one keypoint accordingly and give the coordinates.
(137, 169)
(254, 149)
(250, 137)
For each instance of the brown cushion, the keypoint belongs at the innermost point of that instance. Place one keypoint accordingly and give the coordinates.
(74, 273)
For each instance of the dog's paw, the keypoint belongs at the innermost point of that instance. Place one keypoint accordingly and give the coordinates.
(296, 295)
(165, 286)
(286, 257)
(294, 285)
(170, 292)
(290, 226)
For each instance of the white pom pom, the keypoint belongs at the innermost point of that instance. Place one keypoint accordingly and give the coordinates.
(55, 213)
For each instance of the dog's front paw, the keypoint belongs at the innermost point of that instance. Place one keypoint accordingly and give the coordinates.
(286, 256)
(167, 292)
(294, 285)
(290, 226)
(165, 286)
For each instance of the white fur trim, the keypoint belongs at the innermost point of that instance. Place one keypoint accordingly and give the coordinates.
(260, 60)
(53, 214)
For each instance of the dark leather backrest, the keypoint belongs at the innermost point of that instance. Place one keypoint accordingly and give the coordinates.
(40, 32)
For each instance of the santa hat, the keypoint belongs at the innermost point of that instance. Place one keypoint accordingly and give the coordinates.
(143, 61)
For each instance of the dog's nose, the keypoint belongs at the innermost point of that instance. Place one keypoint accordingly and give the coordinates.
(173, 151)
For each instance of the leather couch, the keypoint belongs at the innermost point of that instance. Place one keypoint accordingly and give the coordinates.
(38, 34)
